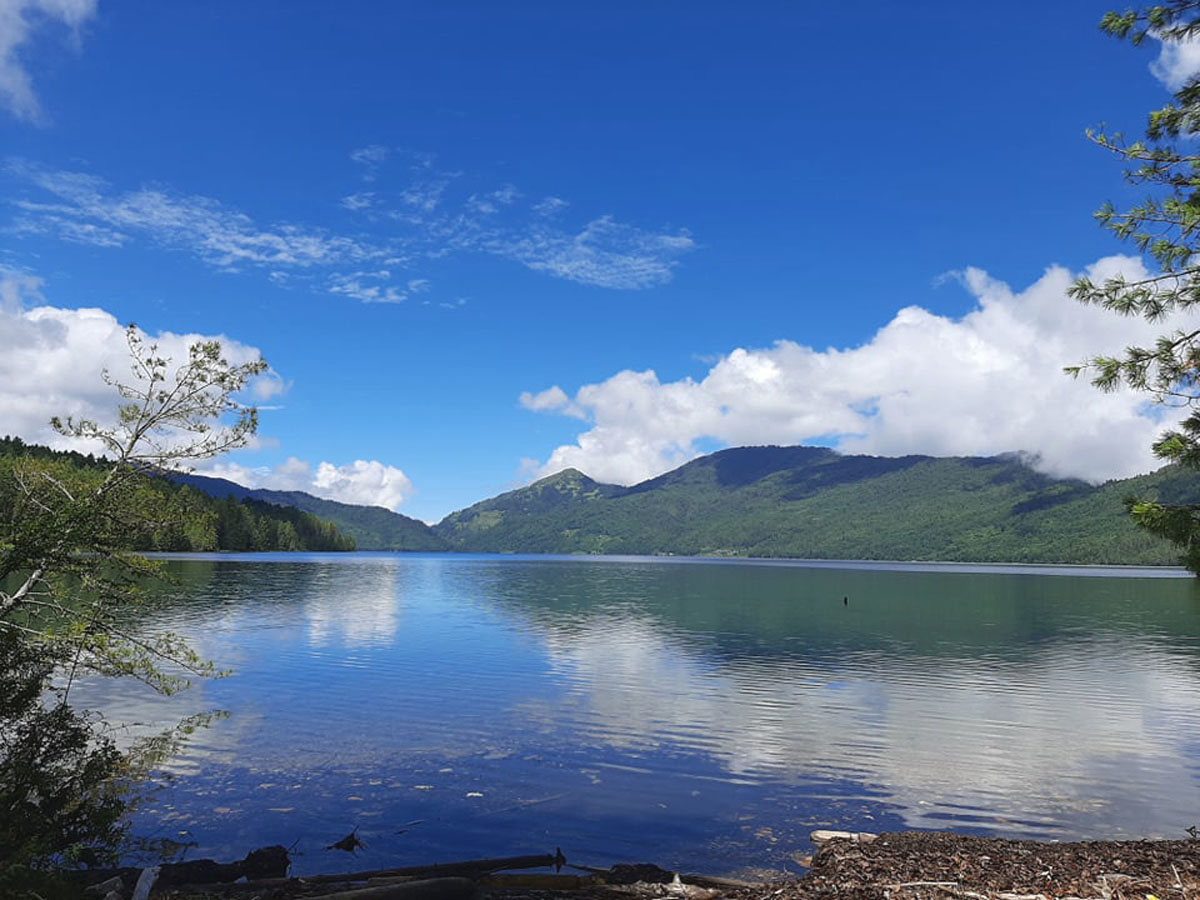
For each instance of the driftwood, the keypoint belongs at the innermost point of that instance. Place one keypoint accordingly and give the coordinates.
(470, 868)
(822, 836)
(539, 882)
(145, 883)
(427, 889)
(266, 862)
(651, 874)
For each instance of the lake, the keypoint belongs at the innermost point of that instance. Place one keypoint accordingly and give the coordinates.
(702, 714)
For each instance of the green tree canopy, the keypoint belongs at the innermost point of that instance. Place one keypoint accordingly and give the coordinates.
(1165, 228)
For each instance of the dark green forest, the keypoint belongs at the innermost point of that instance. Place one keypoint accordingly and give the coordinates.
(175, 517)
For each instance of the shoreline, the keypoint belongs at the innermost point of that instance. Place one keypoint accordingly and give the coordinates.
(908, 865)
(914, 865)
(1094, 570)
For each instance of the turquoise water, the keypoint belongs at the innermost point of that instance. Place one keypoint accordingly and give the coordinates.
(703, 715)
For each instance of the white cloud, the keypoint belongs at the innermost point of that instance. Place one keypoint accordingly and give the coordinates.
(18, 290)
(550, 206)
(358, 201)
(19, 20)
(368, 482)
(605, 253)
(88, 210)
(425, 195)
(367, 287)
(493, 201)
(989, 382)
(372, 154)
(370, 158)
(1178, 62)
(363, 482)
(553, 399)
(53, 361)
(420, 221)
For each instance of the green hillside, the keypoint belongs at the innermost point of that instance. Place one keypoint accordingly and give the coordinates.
(809, 502)
(176, 517)
(371, 527)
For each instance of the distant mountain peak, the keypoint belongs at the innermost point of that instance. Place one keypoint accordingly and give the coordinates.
(569, 475)
(570, 482)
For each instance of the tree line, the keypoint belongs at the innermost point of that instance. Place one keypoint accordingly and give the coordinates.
(176, 517)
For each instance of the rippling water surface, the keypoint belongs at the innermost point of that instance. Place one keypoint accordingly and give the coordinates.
(702, 714)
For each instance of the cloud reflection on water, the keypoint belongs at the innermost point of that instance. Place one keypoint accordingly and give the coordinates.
(1014, 704)
(1085, 734)
(356, 606)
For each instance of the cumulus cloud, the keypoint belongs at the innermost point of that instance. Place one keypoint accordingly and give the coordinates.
(362, 482)
(1178, 62)
(19, 21)
(53, 361)
(367, 482)
(988, 382)
(552, 399)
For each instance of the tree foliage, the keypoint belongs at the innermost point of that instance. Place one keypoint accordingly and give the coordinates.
(68, 580)
(1165, 229)
(57, 789)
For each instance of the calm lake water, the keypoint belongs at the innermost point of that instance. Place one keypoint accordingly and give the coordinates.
(704, 715)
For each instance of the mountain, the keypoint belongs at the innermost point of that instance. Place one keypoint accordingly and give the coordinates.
(371, 527)
(812, 502)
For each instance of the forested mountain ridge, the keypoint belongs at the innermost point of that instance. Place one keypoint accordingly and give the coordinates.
(177, 517)
(812, 502)
(800, 502)
(371, 527)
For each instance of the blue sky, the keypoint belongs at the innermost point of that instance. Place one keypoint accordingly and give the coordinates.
(607, 235)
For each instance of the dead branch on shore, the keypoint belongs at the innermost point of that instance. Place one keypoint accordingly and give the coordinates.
(348, 882)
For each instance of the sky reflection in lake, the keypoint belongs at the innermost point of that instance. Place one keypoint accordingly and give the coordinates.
(707, 715)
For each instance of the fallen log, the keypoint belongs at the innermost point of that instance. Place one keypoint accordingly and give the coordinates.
(467, 868)
(463, 867)
(538, 882)
(427, 889)
(263, 863)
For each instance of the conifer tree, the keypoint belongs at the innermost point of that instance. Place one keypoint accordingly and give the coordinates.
(1165, 229)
